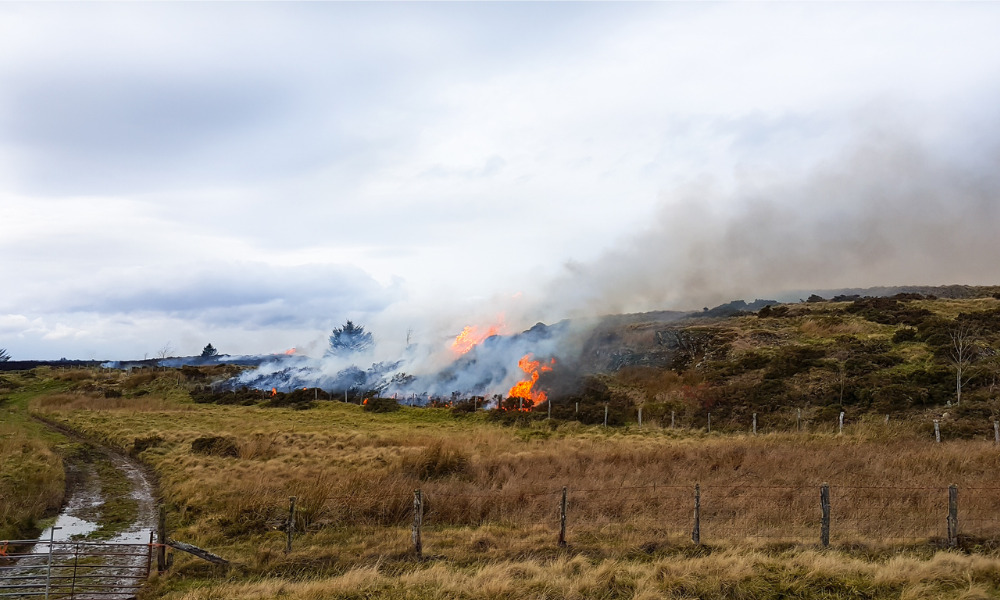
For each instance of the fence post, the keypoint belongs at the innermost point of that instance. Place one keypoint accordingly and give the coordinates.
(605, 414)
(149, 555)
(755, 423)
(640, 417)
(161, 540)
(290, 525)
(937, 431)
(577, 408)
(952, 515)
(798, 419)
(76, 561)
(418, 521)
(672, 413)
(841, 430)
(996, 432)
(824, 505)
(562, 520)
(696, 530)
(549, 404)
(48, 571)
(709, 422)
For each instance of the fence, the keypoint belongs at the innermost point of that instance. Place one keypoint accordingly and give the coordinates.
(74, 570)
(818, 515)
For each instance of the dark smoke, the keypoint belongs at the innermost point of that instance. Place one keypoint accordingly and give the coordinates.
(888, 213)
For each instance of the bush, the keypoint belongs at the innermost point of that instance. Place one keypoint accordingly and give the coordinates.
(215, 446)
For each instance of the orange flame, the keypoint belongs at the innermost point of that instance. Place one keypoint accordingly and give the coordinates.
(472, 336)
(274, 391)
(534, 368)
(365, 402)
(291, 351)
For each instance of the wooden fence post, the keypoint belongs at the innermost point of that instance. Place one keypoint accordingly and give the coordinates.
(841, 430)
(952, 515)
(605, 414)
(709, 422)
(562, 520)
(824, 505)
(755, 423)
(696, 530)
(290, 525)
(996, 432)
(576, 410)
(640, 417)
(161, 539)
(418, 521)
(549, 404)
(937, 431)
(798, 419)
(672, 419)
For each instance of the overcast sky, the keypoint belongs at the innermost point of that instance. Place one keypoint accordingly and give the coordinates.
(253, 174)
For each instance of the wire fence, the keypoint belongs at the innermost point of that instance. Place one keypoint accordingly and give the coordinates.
(714, 514)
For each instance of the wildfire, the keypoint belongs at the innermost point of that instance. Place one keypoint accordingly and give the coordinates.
(472, 336)
(534, 368)
(274, 392)
(291, 351)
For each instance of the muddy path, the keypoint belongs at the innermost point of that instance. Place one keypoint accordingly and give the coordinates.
(98, 545)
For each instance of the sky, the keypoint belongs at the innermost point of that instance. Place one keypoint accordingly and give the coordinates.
(253, 174)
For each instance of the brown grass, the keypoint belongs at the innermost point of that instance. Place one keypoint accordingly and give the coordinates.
(95, 401)
(722, 575)
(492, 494)
(31, 480)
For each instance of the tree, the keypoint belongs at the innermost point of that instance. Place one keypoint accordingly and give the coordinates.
(209, 351)
(4, 355)
(963, 351)
(165, 351)
(349, 339)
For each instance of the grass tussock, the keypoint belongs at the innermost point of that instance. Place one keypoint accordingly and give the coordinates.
(721, 575)
(31, 481)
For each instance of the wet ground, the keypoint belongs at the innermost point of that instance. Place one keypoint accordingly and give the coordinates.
(89, 552)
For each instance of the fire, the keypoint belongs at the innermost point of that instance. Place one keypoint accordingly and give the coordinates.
(291, 351)
(534, 368)
(472, 336)
(274, 391)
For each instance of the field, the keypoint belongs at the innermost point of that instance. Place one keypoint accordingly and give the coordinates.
(492, 502)
(908, 517)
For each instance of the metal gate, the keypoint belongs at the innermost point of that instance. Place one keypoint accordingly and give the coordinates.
(77, 570)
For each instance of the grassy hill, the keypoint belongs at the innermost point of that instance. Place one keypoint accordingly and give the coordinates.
(866, 357)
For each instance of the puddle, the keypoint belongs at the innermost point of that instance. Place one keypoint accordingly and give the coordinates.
(119, 564)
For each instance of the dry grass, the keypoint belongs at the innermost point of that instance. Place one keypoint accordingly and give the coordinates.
(722, 575)
(354, 469)
(492, 494)
(93, 401)
(31, 480)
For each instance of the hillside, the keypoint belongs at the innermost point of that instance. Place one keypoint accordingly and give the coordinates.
(880, 356)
